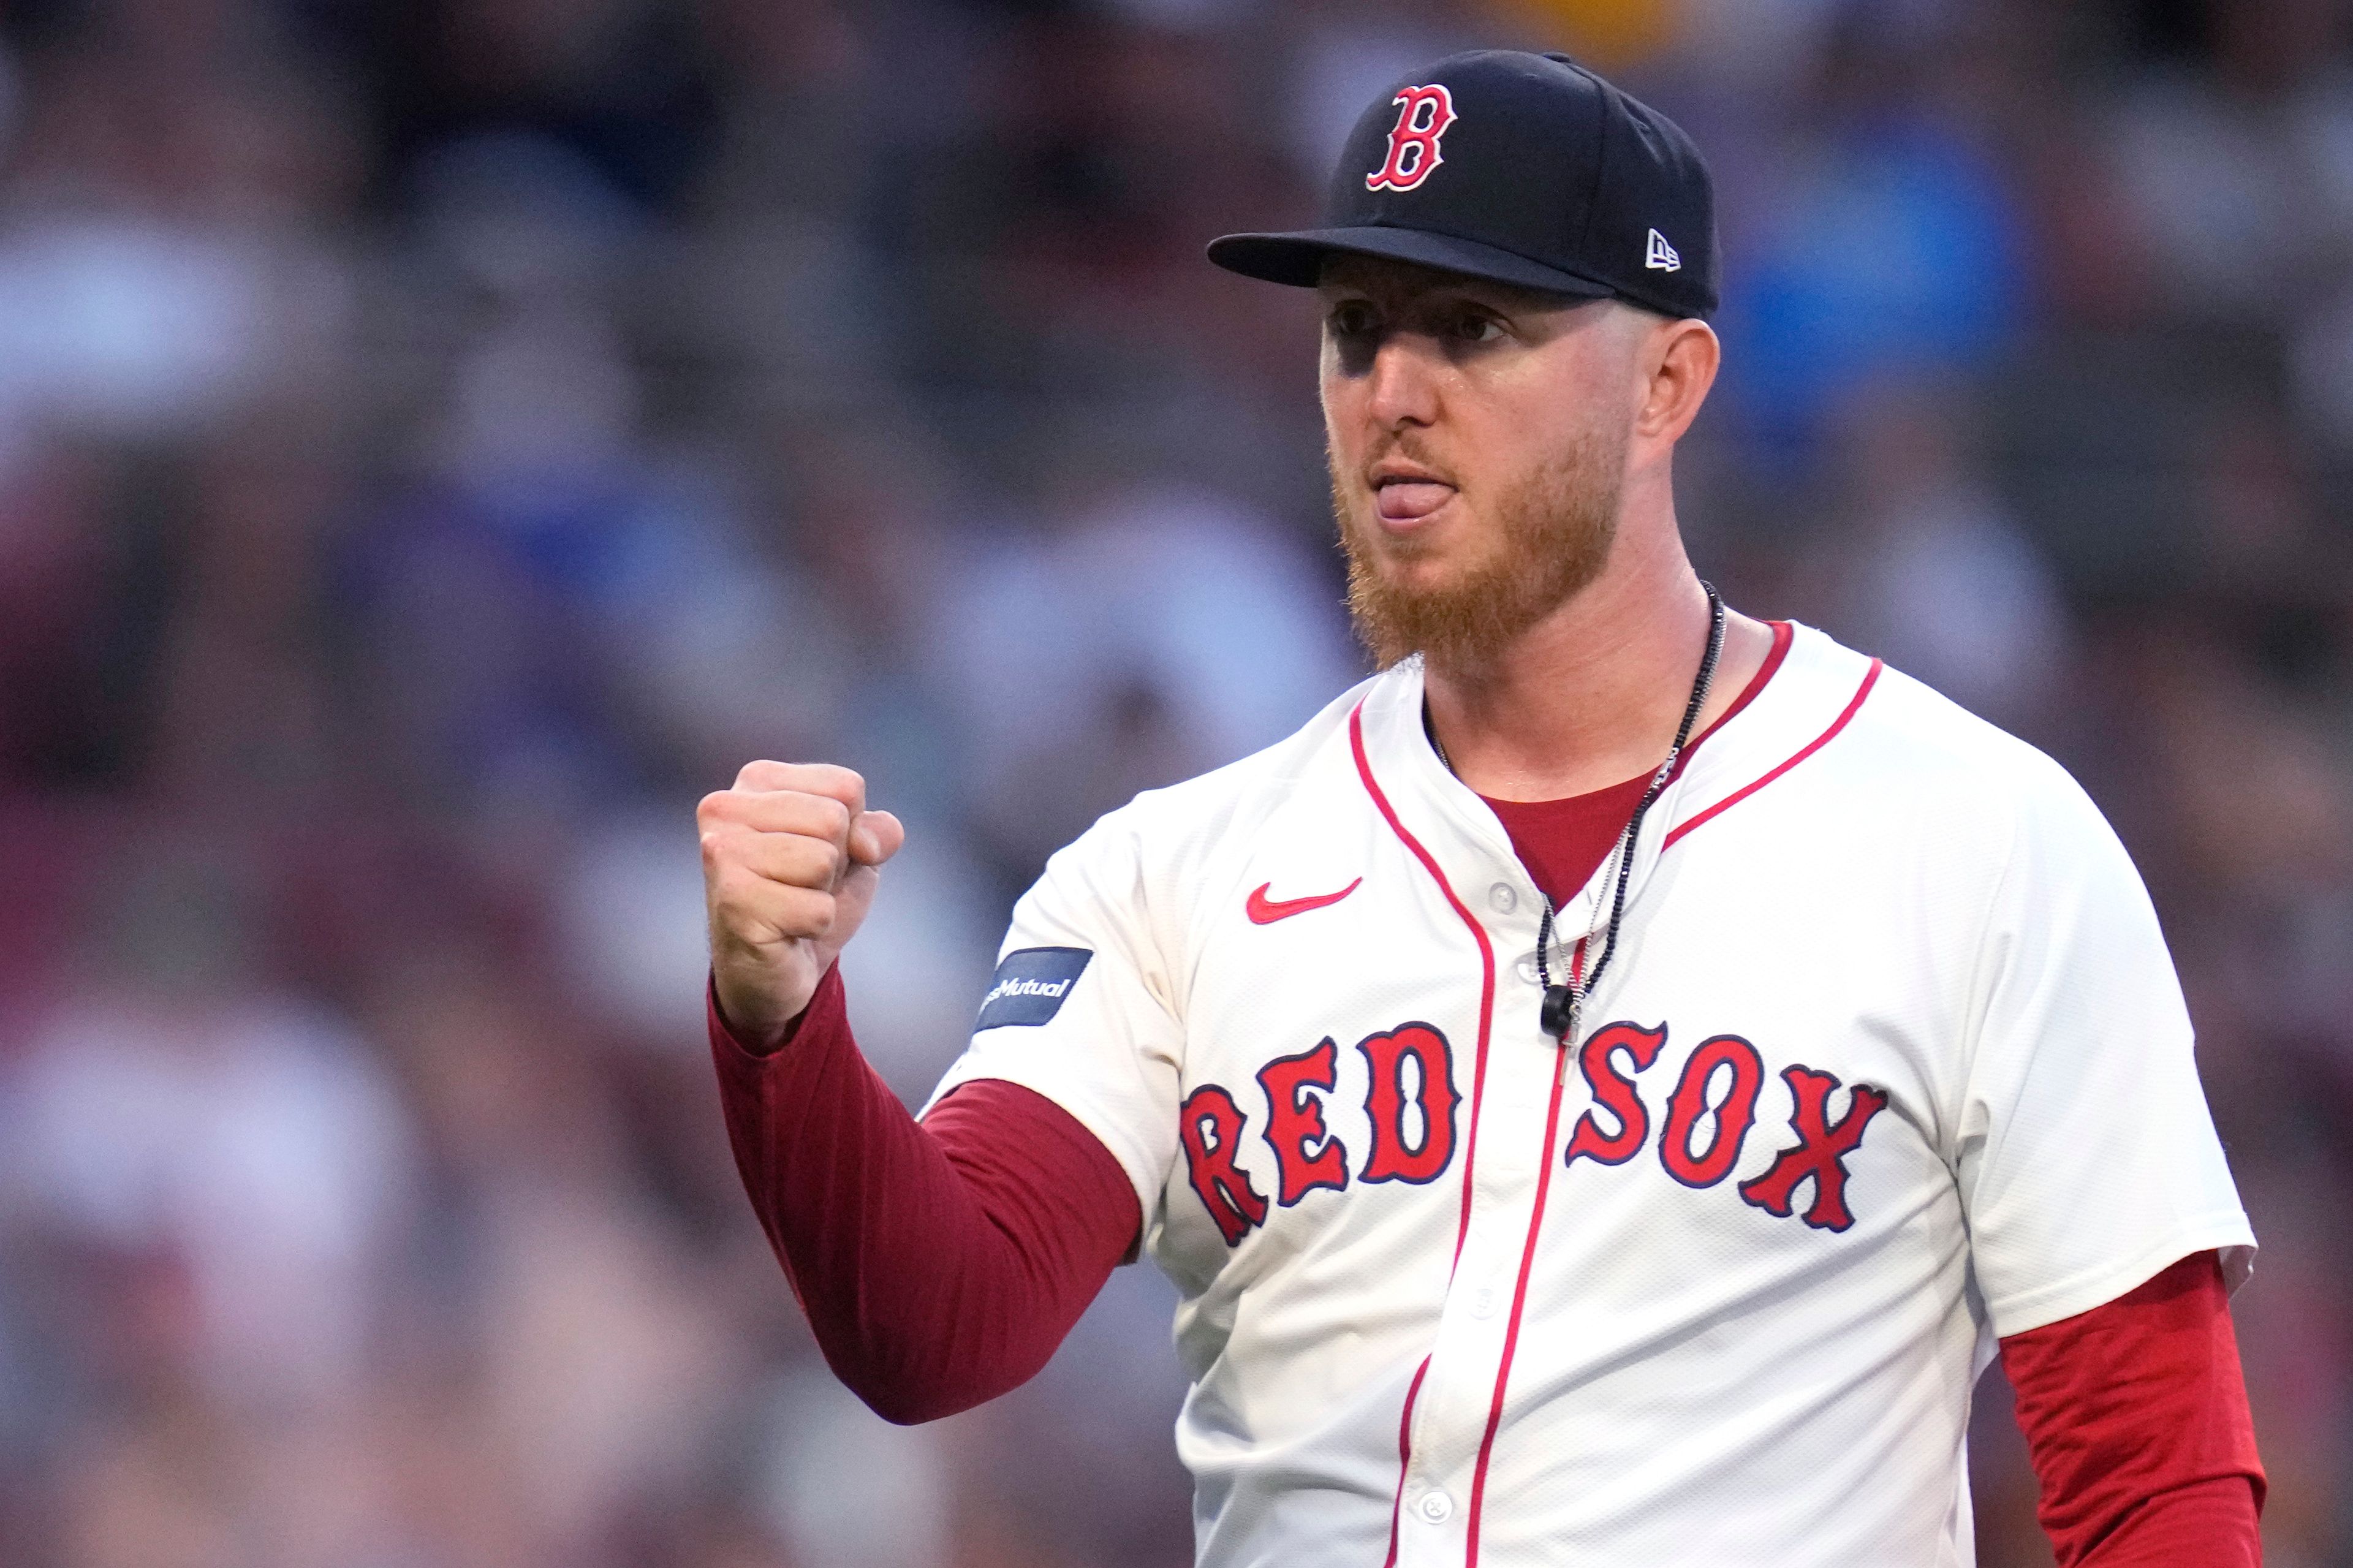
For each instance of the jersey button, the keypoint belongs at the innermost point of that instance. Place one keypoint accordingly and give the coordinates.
(1483, 1301)
(1504, 896)
(1528, 968)
(1436, 1507)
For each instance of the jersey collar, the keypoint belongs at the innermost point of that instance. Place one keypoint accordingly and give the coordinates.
(1816, 682)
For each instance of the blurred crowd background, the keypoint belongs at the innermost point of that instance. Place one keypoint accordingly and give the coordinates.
(439, 440)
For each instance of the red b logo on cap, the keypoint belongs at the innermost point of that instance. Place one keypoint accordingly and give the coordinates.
(1423, 115)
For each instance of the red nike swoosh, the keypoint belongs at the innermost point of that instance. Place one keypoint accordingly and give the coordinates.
(1263, 910)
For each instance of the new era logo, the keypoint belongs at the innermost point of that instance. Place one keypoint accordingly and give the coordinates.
(1663, 256)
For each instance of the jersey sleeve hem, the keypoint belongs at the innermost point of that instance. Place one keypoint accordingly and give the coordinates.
(2226, 1233)
(1141, 1173)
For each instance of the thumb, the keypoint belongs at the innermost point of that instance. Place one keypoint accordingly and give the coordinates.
(875, 837)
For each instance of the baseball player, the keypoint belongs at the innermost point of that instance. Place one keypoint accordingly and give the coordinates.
(1605, 1087)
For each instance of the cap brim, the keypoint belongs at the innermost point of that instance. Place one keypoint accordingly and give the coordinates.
(1297, 258)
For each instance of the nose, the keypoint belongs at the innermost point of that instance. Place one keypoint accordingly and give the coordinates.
(1402, 387)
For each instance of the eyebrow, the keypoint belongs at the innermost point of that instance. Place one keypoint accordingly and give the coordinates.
(1478, 291)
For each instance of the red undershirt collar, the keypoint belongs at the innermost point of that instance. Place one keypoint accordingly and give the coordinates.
(1563, 842)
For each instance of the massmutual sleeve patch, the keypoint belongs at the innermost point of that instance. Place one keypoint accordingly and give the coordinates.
(1030, 985)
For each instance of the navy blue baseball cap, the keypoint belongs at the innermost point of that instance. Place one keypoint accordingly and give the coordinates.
(1522, 168)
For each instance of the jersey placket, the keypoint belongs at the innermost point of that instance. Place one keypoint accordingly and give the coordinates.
(1460, 1406)
(1453, 1412)
(1459, 1411)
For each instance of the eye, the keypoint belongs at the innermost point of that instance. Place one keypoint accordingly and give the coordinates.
(1473, 326)
(1350, 318)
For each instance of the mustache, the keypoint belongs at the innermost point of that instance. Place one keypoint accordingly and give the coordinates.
(1410, 447)
(1405, 444)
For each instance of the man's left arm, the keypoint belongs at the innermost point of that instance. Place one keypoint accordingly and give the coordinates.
(2104, 1230)
(2136, 1416)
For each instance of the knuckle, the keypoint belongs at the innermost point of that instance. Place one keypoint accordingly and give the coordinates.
(837, 783)
(822, 860)
(723, 848)
(718, 809)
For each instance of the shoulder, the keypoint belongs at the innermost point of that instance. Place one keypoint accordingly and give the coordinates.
(1921, 764)
(1913, 732)
(1896, 733)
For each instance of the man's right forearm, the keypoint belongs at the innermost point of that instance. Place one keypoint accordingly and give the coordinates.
(940, 1263)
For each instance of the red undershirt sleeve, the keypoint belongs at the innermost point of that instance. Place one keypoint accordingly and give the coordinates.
(2136, 1416)
(941, 1262)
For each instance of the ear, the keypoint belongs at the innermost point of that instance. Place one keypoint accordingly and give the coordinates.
(1679, 365)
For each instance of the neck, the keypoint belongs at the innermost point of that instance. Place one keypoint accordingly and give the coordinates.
(1590, 696)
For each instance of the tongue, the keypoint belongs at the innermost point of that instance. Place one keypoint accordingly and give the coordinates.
(1405, 502)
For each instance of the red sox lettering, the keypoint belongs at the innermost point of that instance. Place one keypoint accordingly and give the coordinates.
(1614, 1091)
(1307, 1155)
(1821, 1155)
(1394, 1156)
(1706, 1168)
(1411, 1105)
(1412, 1071)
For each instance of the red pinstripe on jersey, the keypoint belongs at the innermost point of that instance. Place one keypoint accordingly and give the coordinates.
(1478, 1073)
(1870, 678)
(1520, 1289)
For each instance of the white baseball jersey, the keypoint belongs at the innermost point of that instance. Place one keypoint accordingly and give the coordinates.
(1891, 1061)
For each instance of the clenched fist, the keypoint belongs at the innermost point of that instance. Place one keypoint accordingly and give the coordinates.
(789, 860)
